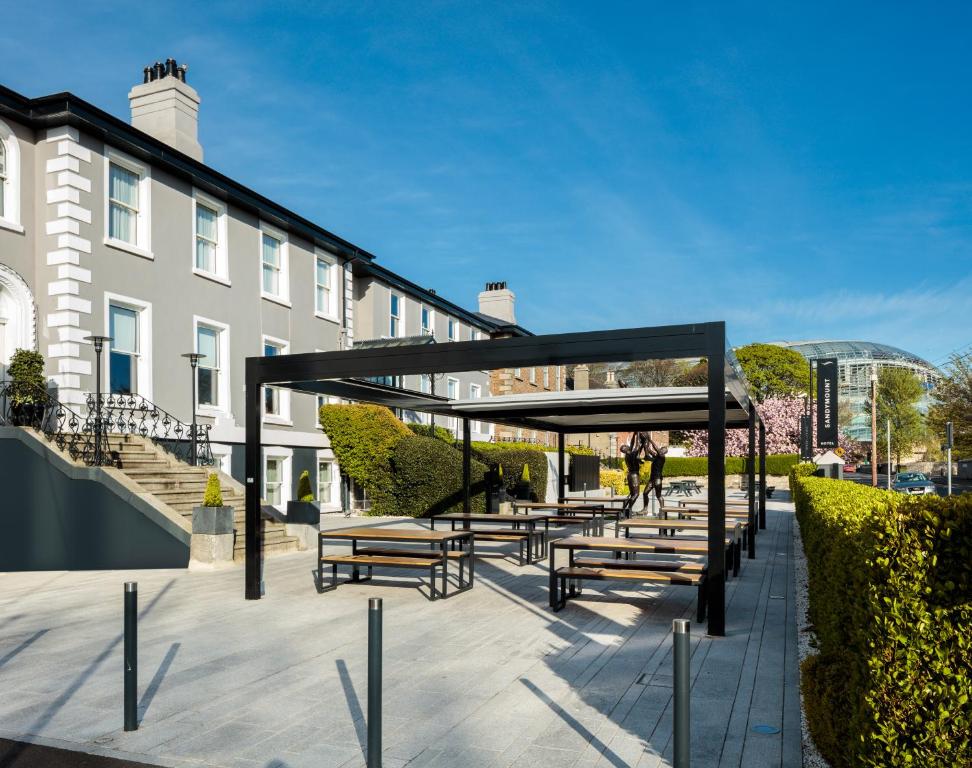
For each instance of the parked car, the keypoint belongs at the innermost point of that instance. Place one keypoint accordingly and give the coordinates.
(913, 483)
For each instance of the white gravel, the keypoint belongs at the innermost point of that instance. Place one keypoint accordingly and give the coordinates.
(811, 757)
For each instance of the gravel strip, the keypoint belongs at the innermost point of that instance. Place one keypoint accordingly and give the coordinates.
(811, 757)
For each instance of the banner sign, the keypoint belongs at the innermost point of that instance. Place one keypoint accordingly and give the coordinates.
(827, 402)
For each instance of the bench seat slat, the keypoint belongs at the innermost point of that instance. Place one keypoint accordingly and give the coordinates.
(453, 554)
(681, 566)
(366, 560)
(666, 577)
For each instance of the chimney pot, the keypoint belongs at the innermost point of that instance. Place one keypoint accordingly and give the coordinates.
(498, 301)
(166, 107)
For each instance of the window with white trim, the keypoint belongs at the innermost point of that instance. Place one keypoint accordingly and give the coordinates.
(273, 479)
(276, 402)
(395, 315)
(518, 373)
(212, 386)
(127, 203)
(325, 481)
(546, 378)
(428, 321)
(325, 295)
(271, 264)
(476, 334)
(452, 391)
(124, 349)
(425, 383)
(209, 251)
(475, 392)
(453, 330)
(533, 375)
(9, 179)
(274, 265)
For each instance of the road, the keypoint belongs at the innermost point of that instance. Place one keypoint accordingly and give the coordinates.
(958, 486)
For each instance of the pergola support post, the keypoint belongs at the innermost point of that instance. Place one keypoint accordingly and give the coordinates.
(561, 476)
(254, 482)
(466, 468)
(751, 472)
(762, 475)
(716, 576)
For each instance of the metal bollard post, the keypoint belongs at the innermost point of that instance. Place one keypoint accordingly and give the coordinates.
(374, 682)
(131, 655)
(682, 656)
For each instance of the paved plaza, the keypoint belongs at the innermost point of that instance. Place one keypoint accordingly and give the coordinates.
(485, 679)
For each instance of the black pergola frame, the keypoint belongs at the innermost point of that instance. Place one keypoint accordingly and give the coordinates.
(306, 372)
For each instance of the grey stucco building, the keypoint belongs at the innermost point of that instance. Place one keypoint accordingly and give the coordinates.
(119, 229)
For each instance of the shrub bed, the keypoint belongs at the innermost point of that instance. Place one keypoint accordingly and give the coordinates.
(428, 478)
(513, 457)
(890, 601)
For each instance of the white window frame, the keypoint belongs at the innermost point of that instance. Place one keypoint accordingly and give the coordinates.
(283, 298)
(143, 219)
(335, 502)
(221, 275)
(283, 394)
(143, 370)
(286, 458)
(10, 186)
(332, 269)
(223, 388)
(475, 334)
(400, 317)
(475, 392)
(452, 330)
(427, 330)
(518, 373)
(533, 374)
(546, 377)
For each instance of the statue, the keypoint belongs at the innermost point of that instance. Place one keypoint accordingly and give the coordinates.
(657, 457)
(633, 461)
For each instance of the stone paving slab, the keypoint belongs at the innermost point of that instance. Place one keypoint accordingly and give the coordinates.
(487, 679)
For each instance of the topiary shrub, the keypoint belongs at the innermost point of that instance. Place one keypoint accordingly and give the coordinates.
(427, 430)
(508, 455)
(363, 438)
(304, 492)
(890, 589)
(428, 478)
(525, 474)
(213, 497)
(26, 372)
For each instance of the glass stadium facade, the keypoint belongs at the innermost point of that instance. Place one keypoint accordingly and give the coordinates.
(856, 360)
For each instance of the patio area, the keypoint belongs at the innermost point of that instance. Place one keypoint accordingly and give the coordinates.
(487, 678)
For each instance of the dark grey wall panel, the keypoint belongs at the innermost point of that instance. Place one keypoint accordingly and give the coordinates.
(50, 521)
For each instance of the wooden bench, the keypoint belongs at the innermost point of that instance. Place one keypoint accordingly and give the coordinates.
(625, 571)
(524, 539)
(436, 557)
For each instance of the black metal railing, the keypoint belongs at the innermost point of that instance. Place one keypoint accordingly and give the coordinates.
(86, 437)
(132, 414)
(27, 405)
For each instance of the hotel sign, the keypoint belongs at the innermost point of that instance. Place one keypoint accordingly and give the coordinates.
(827, 402)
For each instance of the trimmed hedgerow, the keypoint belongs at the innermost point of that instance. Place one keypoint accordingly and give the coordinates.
(426, 430)
(513, 459)
(363, 438)
(890, 590)
(428, 478)
(693, 466)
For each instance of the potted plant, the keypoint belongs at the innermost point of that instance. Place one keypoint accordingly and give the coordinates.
(304, 510)
(523, 487)
(27, 389)
(212, 526)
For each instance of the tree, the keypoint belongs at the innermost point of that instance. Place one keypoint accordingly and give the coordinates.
(694, 376)
(774, 371)
(898, 393)
(652, 373)
(953, 402)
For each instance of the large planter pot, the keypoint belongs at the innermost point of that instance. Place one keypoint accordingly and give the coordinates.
(306, 512)
(26, 414)
(212, 536)
(522, 492)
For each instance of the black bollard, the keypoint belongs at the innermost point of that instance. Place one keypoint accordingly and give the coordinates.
(131, 655)
(682, 685)
(374, 682)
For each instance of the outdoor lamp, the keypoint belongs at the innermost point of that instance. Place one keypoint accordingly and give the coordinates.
(194, 358)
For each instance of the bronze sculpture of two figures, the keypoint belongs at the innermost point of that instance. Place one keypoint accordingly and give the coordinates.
(639, 448)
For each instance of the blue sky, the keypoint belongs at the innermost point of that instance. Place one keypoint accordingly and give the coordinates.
(799, 170)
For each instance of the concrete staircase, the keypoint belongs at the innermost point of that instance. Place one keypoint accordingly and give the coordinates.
(181, 487)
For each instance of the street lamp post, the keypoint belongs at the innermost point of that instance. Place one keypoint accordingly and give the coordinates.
(874, 471)
(99, 344)
(193, 358)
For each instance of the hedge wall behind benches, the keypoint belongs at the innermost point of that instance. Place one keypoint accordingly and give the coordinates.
(690, 466)
(513, 457)
(890, 589)
(428, 478)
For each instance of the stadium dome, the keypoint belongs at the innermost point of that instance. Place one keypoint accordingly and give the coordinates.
(855, 362)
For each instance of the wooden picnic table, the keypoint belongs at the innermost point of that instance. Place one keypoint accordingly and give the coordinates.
(437, 556)
(684, 487)
(597, 499)
(702, 526)
(530, 522)
(671, 572)
(571, 512)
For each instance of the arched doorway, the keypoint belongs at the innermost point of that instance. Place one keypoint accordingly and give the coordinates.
(17, 317)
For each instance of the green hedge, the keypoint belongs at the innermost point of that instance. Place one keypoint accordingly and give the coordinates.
(890, 590)
(512, 456)
(428, 478)
(426, 430)
(698, 466)
(363, 438)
